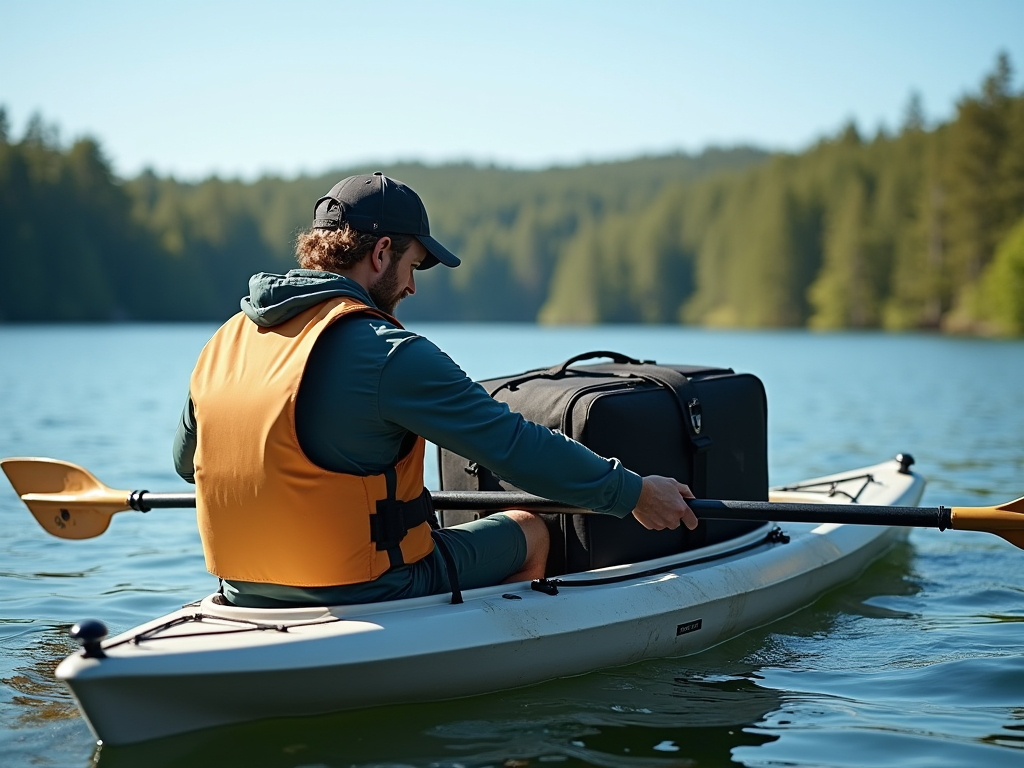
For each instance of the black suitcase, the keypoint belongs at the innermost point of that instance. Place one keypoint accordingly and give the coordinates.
(706, 427)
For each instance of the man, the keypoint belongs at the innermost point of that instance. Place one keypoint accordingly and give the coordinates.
(305, 424)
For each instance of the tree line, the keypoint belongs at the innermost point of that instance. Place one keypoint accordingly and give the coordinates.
(922, 228)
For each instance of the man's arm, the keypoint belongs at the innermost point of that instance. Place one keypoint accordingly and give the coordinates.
(424, 391)
(184, 447)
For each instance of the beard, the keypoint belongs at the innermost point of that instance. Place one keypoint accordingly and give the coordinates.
(385, 292)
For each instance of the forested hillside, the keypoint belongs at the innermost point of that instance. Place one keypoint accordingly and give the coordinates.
(920, 229)
(924, 229)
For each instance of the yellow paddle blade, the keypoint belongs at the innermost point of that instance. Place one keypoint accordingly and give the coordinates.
(1006, 520)
(65, 499)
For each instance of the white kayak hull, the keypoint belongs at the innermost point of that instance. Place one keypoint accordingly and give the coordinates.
(177, 674)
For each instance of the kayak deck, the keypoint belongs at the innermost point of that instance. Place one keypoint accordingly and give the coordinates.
(211, 664)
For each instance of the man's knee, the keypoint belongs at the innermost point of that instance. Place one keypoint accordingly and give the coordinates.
(536, 532)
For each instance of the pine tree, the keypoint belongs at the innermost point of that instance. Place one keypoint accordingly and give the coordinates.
(977, 218)
(842, 294)
(1002, 295)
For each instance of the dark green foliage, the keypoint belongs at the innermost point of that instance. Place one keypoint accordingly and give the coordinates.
(1002, 290)
(899, 232)
(69, 249)
(914, 230)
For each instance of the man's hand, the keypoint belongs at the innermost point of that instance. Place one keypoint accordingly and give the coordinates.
(662, 504)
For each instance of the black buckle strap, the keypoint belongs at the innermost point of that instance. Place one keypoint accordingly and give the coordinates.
(449, 566)
(692, 415)
(394, 519)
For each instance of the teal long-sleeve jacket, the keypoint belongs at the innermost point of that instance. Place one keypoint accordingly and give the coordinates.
(368, 384)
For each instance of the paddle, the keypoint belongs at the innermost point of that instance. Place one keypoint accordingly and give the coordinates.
(69, 502)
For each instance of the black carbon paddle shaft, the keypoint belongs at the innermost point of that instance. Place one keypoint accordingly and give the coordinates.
(850, 514)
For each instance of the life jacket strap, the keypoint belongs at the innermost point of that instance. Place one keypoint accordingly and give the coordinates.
(449, 565)
(394, 519)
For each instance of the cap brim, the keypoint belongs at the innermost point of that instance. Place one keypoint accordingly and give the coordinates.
(437, 253)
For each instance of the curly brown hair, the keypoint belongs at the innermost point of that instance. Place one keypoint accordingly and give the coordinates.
(336, 250)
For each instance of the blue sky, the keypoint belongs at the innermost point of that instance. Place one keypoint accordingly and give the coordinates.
(245, 88)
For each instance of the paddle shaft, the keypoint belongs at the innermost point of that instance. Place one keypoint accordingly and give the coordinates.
(70, 503)
(923, 517)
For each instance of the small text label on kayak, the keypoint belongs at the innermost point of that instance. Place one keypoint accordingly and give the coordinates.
(690, 626)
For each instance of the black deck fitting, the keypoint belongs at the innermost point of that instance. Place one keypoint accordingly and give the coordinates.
(89, 633)
(906, 461)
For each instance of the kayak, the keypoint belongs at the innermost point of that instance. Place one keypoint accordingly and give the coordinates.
(212, 664)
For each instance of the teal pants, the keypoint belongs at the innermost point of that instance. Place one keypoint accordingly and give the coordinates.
(486, 552)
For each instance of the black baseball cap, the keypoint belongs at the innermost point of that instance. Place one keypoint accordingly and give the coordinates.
(376, 203)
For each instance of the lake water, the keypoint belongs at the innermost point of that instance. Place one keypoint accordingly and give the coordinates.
(918, 662)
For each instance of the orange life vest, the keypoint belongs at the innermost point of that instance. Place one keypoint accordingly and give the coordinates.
(266, 512)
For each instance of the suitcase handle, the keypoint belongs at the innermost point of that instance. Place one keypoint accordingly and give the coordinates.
(558, 371)
(616, 357)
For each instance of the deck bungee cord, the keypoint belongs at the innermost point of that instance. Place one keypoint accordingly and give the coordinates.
(550, 585)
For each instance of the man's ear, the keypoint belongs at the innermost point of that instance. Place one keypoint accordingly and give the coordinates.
(377, 257)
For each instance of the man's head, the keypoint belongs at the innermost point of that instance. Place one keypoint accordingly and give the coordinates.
(378, 205)
(383, 264)
(375, 230)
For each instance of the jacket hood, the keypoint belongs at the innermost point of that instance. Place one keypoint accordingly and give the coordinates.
(274, 299)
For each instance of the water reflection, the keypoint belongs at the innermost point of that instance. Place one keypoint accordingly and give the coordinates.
(1012, 734)
(37, 697)
(627, 718)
